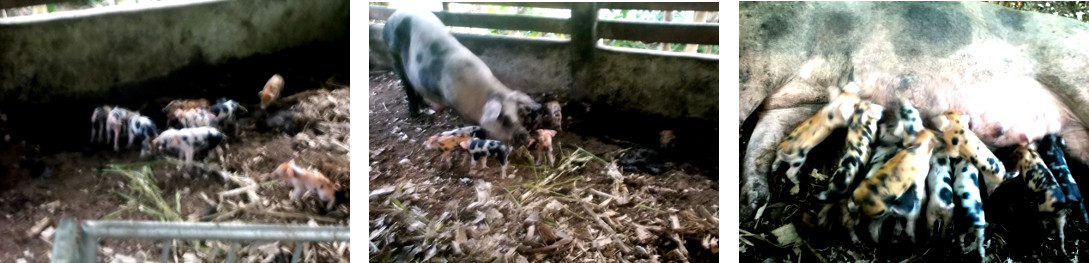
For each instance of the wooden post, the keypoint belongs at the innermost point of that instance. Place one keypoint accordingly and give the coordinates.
(668, 14)
(699, 17)
(583, 29)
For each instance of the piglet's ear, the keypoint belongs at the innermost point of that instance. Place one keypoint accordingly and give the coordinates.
(877, 110)
(965, 120)
(833, 92)
(942, 121)
(846, 110)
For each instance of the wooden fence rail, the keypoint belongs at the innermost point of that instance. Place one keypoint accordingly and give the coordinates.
(687, 33)
(5, 4)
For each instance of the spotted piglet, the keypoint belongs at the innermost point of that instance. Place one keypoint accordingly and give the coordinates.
(794, 147)
(939, 209)
(116, 122)
(190, 141)
(860, 134)
(968, 212)
(482, 149)
(1049, 196)
(196, 117)
(446, 143)
(467, 131)
(1051, 149)
(143, 130)
(226, 112)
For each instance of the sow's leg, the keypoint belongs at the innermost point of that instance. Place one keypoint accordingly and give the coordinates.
(756, 166)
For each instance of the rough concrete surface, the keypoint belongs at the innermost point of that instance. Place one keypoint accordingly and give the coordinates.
(85, 56)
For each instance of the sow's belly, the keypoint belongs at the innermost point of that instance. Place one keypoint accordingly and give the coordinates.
(1002, 112)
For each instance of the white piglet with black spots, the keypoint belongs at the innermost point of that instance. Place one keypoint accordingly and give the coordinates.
(481, 149)
(115, 123)
(191, 141)
(226, 113)
(968, 214)
(143, 130)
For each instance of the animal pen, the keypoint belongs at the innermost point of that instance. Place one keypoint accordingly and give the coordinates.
(592, 204)
(56, 188)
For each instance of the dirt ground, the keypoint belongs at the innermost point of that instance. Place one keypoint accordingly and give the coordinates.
(77, 187)
(581, 209)
(1014, 232)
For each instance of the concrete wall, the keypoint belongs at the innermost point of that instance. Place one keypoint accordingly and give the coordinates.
(85, 56)
(55, 69)
(649, 83)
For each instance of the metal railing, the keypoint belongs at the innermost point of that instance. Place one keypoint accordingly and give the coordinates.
(80, 243)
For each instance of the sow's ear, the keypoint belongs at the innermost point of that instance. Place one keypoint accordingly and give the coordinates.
(523, 100)
(490, 112)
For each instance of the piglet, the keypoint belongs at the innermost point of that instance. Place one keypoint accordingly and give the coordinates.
(446, 144)
(98, 123)
(541, 142)
(271, 91)
(467, 131)
(666, 139)
(181, 104)
(1051, 149)
(939, 209)
(226, 112)
(481, 149)
(116, 122)
(968, 212)
(190, 141)
(794, 147)
(1049, 195)
(195, 117)
(897, 175)
(307, 180)
(143, 130)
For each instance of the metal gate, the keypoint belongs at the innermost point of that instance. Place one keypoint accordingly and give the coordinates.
(80, 243)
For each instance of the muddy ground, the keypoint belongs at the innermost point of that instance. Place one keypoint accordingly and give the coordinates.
(1014, 233)
(75, 185)
(581, 209)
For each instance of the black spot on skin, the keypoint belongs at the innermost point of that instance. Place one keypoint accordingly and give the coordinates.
(840, 185)
(907, 201)
(1012, 18)
(956, 141)
(948, 180)
(999, 131)
(849, 161)
(402, 35)
(873, 188)
(432, 73)
(965, 169)
(859, 111)
(943, 161)
(945, 195)
(185, 138)
(964, 196)
(990, 160)
(907, 80)
(830, 116)
(930, 29)
(801, 153)
(797, 164)
(774, 28)
(973, 176)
